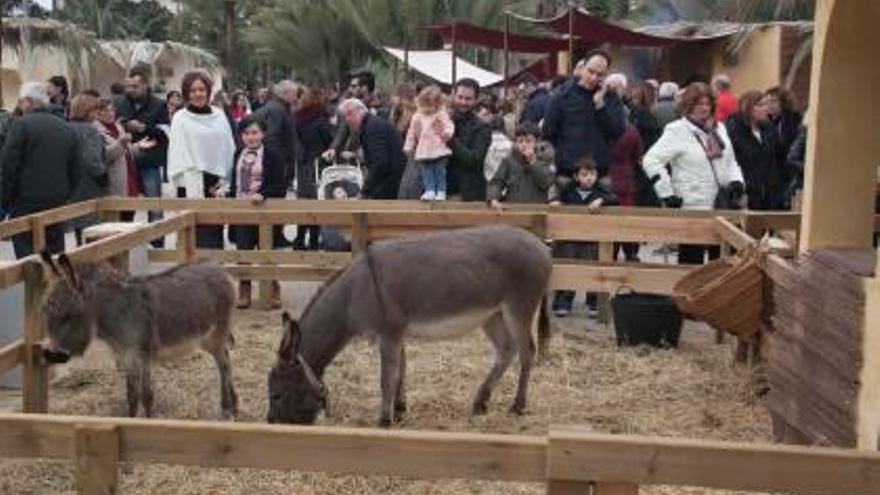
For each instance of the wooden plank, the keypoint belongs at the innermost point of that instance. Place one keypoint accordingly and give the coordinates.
(96, 455)
(35, 382)
(251, 217)
(448, 219)
(606, 228)
(13, 273)
(13, 226)
(106, 248)
(360, 234)
(314, 258)
(610, 488)
(868, 406)
(298, 273)
(413, 454)
(563, 487)
(186, 245)
(606, 255)
(265, 240)
(731, 234)
(11, 355)
(38, 233)
(608, 278)
(575, 455)
(68, 212)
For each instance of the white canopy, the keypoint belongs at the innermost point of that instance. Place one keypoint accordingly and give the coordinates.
(437, 65)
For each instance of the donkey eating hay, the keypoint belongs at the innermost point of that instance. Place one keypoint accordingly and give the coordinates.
(435, 286)
(142, 319)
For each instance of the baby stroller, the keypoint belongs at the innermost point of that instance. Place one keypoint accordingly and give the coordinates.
(338, 182)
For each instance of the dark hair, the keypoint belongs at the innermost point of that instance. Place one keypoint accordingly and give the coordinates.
(365, 77)
(528, 129)
(598, 52)
(61, 82)
(91, 92)
(252, 120)
(143, 71)
(190, 78)
(786, 98)
(172, 94)
(469, 83)
(117, 89)
(692, 96)
(586, 163)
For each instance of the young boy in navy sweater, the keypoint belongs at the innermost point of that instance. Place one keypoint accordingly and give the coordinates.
(585, 190)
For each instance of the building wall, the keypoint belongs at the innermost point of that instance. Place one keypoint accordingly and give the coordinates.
(759, 64)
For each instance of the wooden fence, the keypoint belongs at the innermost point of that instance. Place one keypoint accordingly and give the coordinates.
(567, 460)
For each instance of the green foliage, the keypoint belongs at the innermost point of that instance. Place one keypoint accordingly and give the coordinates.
(118, 19)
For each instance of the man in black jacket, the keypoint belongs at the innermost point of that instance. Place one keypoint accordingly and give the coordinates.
(40, 166)
(382, 146)
(469, 145)
(281, 134)
(142, 114)
(585, 119)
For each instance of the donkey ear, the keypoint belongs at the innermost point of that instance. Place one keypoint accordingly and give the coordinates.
(289, 348)
(67, 266)
(48, 261)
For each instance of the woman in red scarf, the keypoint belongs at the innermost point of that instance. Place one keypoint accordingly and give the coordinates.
(121, 173)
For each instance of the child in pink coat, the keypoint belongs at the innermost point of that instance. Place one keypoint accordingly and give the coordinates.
(430, 129)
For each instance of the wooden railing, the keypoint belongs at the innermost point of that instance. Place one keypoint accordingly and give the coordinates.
(567, 460)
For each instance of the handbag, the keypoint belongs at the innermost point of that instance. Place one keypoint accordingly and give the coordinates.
(724, 199)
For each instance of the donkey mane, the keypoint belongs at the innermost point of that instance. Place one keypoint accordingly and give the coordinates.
(321, 291)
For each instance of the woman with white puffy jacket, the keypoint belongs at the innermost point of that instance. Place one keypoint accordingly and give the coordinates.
(700, 161)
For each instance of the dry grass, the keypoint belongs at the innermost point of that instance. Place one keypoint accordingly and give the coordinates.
(692, 392)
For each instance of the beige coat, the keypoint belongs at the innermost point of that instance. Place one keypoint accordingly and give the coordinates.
(114, 160)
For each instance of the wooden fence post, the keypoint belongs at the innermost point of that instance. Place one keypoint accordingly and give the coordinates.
(186, 244)
(96, 452)
(360, 233)
(265, 241)
(35, 388)
(610, 488)
(38, 231)
(606, 255)
(565, 487)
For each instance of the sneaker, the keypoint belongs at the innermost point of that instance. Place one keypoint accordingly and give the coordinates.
(562, 312)
(441, 196)
(428, 196)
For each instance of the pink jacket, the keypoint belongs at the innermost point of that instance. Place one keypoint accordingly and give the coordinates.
(422, 139)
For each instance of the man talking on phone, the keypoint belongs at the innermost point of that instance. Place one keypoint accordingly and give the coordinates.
(585, 118)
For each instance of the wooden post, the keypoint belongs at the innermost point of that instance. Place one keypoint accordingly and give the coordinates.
(454, 58)
(610, 488)
(565, 487)
(265, 240)
(107, 216)
(186, 244)
(506, 52)
(606, 254)
(360, 233)
(38, 231)
(36, 375)
(96, 452)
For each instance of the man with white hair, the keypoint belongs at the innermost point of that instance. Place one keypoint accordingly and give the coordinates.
(726, 103)
(39, 166)
(382, 148)
(281, 130)
(665, 110)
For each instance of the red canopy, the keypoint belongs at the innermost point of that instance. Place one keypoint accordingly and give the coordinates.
(490, 38)
(594, 30)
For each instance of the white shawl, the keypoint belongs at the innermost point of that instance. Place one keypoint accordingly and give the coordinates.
(199, 143)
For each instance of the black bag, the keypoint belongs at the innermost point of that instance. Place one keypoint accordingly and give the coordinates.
(724, 199)
(642, 318)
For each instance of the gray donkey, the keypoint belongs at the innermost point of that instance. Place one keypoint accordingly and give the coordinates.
(435, 286)
(142, 319)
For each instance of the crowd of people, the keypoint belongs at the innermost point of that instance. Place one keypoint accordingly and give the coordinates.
(590, 139)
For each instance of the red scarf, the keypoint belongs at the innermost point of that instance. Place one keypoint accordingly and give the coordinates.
(134, 182)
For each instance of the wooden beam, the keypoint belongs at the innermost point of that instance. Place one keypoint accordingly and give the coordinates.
(605, 228)
(611, 488)
(273, 217)
(562, 487)
(35, 382)
(312, 258)
(264, 237)
(13, 273)
(111, 246)
(598, 277)
(732, 235)
(49, 217)
(868, 407)
(606, 255)
(96, 452)
(360, 234)
(11, 355)
(577, 456)
(13, 226)
(298, 273)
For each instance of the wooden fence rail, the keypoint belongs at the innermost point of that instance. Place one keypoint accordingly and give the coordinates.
(567, 460)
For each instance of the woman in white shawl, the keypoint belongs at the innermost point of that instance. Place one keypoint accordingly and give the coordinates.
(200, 151)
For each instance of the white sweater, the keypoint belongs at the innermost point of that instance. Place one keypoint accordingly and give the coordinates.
(692, 179)
(199, 143)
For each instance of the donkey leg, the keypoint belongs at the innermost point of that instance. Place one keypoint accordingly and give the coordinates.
(400, 398)
(520, 327)
(146, 389)
(389, 352)
(219, 350)
(132, 390)
(497, 333)
(544, 331)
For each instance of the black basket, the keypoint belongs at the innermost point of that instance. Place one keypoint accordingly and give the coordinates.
(641, 318)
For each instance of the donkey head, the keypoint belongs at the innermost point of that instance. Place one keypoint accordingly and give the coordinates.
(296, 395)
(69, 321)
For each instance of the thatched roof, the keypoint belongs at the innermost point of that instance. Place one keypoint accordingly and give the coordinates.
(128, 53)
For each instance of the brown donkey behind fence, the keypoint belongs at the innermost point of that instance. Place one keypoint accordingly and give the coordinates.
(142, 319)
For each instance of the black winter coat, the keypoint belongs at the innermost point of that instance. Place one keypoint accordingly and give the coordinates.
(760, 163)
(383, 157)
(281, 133)
(786, 128)
(152, 112)
(578, 130)
(40, 165)
(571, 196)
(536, 107)
(469, 148)
(274, 175)
(315, 135)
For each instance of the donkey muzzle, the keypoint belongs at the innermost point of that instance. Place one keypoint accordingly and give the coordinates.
(52, 354)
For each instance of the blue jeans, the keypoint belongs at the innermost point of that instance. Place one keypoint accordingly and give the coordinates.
(434, 174)
(151, 178)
